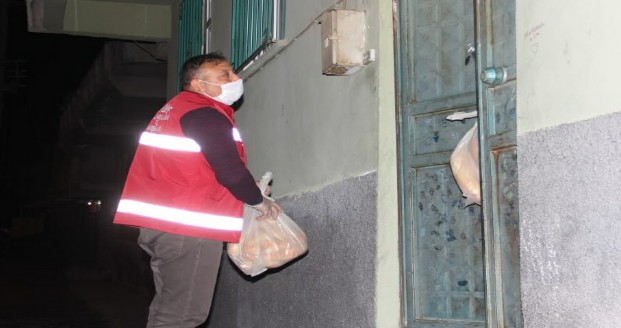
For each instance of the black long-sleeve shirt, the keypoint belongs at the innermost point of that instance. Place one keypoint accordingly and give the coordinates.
(213, 132)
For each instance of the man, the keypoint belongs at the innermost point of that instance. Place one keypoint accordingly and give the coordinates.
(186, 189)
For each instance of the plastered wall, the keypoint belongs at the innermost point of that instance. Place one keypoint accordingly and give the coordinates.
(570, 181)
(310, 129)
(220, 38)
(319, 134)
(331, 286)
(566, 61)
(568, 153)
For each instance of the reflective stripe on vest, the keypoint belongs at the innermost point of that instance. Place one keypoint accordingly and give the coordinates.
(236, 135)
(170, 214)
(169, 142)
(176, 143)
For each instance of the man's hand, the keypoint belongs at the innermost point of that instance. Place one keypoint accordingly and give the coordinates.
(268, 208)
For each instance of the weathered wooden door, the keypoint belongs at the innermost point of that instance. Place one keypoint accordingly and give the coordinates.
(461, 264)
(496, 66)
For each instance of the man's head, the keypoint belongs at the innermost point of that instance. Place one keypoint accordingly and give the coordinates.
(211, 75)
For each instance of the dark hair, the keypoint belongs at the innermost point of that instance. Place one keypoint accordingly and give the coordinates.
(193, 64)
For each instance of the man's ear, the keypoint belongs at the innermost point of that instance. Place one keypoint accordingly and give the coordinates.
(195, 85)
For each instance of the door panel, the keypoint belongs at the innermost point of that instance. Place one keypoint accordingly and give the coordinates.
(448, 251)
(502, 114)
(444, 266)
(440, 29)
(500, 38)
(508, 233)
(432, 133)
(497, 139)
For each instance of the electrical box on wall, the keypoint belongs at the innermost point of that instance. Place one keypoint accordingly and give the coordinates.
(344, 42)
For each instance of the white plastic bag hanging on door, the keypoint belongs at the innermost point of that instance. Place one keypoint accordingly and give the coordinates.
(465, 166)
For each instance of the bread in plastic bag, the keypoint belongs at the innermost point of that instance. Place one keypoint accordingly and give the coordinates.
(266, 243)
(465, 166)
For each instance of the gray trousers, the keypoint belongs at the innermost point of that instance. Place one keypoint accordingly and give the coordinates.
(185, 270)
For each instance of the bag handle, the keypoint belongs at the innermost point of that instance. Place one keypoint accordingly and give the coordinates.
(265, 181)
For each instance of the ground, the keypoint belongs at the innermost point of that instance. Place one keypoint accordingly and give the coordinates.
(37, 292)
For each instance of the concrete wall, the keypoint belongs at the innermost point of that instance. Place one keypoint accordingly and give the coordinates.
(220, 39)
(566, 61)
(568, 153)
(570, 220)
(331, 286)
(173, 53)
(309, 129)
(330, 142)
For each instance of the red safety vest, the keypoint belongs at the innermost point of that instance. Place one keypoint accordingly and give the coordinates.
(170, 185)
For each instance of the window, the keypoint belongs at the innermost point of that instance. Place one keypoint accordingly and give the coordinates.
(192, 39)
(256, 25)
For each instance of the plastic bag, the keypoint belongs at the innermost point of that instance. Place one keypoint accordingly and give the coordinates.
(266, 244)
(465, 166)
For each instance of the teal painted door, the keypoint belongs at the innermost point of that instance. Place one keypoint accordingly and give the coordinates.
(495, 25)
(460, 264)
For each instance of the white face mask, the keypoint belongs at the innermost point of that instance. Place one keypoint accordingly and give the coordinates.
(231, 92)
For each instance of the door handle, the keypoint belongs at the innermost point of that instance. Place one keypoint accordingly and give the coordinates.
(494, 75)
(471, 53)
